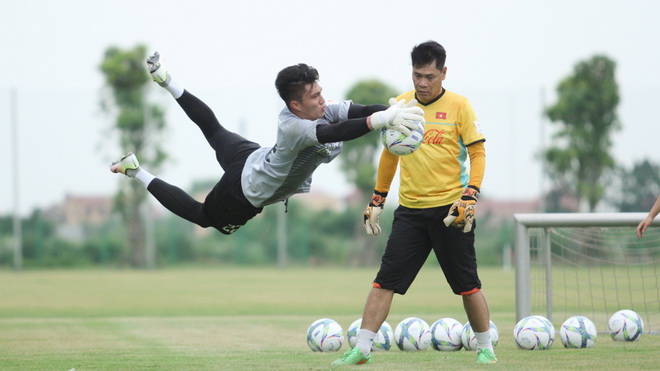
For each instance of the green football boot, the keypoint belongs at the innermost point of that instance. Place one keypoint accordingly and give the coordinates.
(352, 357)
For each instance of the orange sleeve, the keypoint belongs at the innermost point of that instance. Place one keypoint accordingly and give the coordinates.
(477, 153)
(386, 170)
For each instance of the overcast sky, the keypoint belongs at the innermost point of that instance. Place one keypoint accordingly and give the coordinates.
(507, 57)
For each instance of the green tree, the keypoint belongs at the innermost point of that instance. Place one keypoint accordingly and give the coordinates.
(357, 158)
(139, 125)
(357, 161)
(639, 187)
(560, 199)
(586, 114)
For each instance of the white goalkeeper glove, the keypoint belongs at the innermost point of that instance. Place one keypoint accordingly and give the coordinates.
(372, 213)
(398, 116)
(461, 213)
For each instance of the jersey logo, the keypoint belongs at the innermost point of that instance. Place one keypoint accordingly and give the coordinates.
(231, 228)
(476, 125)
(434, 136)
(323, 151)
(273, 150)
(441, 115)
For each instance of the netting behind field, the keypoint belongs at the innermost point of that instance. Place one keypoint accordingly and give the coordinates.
(594, 272)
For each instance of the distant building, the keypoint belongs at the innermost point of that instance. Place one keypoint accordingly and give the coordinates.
(493, 213)
(504, 209)
(89, 210)
(77, 213)
(319, 201)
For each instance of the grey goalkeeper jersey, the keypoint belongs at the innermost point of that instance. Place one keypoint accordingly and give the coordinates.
(273, 174)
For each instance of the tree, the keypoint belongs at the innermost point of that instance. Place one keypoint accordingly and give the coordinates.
(358, 156)
(586, 113)
(639, 187)
(139, 125)
(357, 159)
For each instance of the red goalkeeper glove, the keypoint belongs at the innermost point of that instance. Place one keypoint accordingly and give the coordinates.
(461, 213)
(372, 212)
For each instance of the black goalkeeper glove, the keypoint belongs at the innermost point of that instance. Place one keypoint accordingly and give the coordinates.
(461, 213)
(372, 212)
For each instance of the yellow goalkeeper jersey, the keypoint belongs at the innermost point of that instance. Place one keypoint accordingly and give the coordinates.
(436, 173)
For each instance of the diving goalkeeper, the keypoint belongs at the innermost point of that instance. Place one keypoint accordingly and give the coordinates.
(310, 132)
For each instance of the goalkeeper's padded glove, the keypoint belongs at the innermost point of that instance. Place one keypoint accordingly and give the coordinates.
(461, 212)
(398, 116)
(372, 212)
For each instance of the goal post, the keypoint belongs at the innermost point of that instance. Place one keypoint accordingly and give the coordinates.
(540, 249)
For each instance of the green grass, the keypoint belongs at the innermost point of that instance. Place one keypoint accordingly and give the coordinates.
(248, 319)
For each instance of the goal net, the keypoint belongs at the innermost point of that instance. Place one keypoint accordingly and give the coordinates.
(587, 264)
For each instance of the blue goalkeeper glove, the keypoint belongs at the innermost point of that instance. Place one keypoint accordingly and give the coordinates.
(461, 212)
(372, 213)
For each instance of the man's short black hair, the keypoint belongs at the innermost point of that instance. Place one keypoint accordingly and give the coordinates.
(428, 52)
(292, 81)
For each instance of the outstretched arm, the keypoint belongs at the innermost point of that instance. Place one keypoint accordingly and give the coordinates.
(341, 131)
(360, 110)
(362, 119)
(357, 125)
(655, 210)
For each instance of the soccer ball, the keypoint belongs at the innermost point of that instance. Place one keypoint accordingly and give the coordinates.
(401, 145)
(325, 335)
(412, 334)
(446, 334)
(383, 340)
(550, 325)
(625, 325)
(534, 333)
(469, 339)
(578, 332)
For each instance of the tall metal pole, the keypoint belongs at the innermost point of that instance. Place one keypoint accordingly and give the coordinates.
(523, 271)
(150, 236)
(18, 234)
(145, 210)
(547, 248)
(542, 206)
(281, 237)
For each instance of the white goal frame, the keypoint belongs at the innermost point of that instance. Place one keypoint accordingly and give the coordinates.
(549, 220)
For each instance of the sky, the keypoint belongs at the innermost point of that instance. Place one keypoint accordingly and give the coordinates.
(506, 57)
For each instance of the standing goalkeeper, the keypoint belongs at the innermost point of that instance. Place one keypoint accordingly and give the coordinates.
(437, 198)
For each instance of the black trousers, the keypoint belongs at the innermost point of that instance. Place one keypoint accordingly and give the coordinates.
(225, 207)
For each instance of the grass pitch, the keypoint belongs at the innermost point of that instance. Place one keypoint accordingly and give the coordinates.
(250, 319)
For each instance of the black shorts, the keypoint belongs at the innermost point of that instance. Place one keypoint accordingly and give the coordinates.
(415, 232)
(226, 205)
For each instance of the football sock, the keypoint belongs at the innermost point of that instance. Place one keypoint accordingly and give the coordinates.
(175, 89)
(365, 339)
(142, 176)
(131, 172)
(483, 340)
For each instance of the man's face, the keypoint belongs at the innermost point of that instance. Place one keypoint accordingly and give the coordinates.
(312, 105)
(428, 81)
